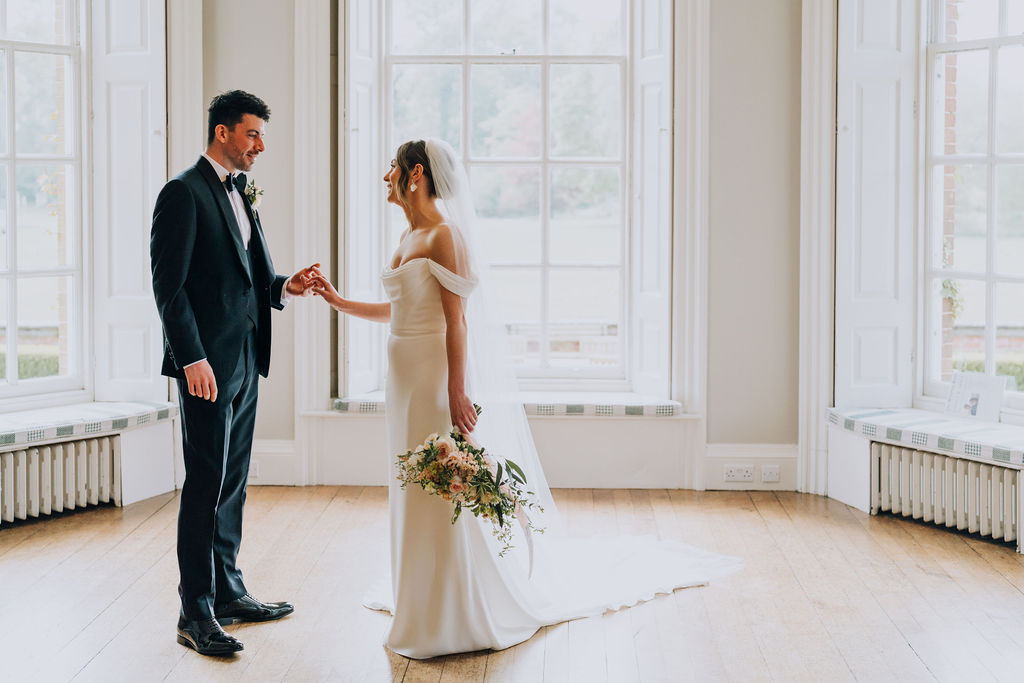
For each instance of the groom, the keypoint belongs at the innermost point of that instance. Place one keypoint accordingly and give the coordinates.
(214, 286)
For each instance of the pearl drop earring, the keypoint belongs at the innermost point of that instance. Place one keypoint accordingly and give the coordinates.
(412, 187)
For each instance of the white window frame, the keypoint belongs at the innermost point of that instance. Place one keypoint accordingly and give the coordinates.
(932, 388)
(77, 383)
(646, 298)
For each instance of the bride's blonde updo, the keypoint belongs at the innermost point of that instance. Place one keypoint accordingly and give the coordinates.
(408, 155)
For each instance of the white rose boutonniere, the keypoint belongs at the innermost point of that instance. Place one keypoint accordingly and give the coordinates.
(254, 194)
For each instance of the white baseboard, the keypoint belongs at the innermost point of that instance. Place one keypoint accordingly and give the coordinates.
(275, 462)
(756, 455)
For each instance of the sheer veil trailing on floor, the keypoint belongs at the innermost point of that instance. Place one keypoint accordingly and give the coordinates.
(569, 577)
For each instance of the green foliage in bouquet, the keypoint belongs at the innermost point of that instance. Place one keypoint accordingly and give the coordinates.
(470, 478)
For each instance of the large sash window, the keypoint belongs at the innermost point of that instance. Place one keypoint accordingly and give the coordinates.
(41, 331)
(561, 111)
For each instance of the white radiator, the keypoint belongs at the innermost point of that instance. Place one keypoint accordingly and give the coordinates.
(954, 492)
(42, 480)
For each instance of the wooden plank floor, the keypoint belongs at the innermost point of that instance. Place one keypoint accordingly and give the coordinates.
(827, 594)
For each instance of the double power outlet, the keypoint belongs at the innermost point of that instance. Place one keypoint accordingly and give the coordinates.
(743, 473)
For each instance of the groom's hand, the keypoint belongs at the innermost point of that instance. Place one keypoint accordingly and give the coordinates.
(201, 382)
(301, 282)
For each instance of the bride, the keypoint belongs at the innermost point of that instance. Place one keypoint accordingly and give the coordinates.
(449, 591)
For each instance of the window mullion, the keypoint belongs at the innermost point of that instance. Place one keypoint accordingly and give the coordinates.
(12, 230)
(990, 212)
(545, 210)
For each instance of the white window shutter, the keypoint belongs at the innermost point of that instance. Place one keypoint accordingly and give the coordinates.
(363, 218)
(651, 196)
(129, 166)
(875, 202)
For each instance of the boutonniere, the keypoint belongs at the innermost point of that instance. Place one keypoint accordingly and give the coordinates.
(254, 194)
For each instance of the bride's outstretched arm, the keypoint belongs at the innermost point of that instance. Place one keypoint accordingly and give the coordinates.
(374, 311)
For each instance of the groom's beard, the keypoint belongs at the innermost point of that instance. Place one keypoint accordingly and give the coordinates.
(243, 161)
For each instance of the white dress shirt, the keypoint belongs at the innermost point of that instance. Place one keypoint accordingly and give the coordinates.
(236, 198)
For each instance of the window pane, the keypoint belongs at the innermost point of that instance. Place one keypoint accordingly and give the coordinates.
(3, 216)
(1015, 24)
(586, 110)
(43, 103)
(971, 20)
(420, 27)
(500, 27)
(584, 309)
(46, 216)
(962, 325)
(1010, 331)
(505, 110)
(1010, 221)
(1010, 100)
(518, 295)
(3, 108)
(961, 102)
(44, 322)
(586, 215)
(38, 21)
(508, 210)
(427, 103)
(594, 27)
(963, 213)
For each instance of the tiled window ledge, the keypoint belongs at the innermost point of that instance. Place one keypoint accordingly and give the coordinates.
(77, 420)
(931, 431)
(548, 404)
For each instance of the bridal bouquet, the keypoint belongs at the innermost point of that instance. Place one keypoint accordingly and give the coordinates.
(472, 479)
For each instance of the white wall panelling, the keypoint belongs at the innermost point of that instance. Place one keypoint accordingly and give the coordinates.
(651, 270)
(690, 223)
(817, 241)
(312, 233)
(361, 157)
(129, 158)
(147, 468)
(186, 111)
(875, 202)
(849, 467)
(576, 451)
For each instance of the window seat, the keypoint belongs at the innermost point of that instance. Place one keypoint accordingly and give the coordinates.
(41, 425)
(590, 404)
(930, 431)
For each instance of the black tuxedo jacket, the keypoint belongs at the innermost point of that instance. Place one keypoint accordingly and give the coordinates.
(203, 277)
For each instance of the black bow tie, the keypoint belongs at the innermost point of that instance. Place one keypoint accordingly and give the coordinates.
(232, 182)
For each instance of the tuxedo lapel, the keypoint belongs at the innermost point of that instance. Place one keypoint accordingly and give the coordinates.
(257, 237)
(227, 213)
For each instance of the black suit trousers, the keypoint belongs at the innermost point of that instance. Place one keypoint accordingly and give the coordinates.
(217, 440)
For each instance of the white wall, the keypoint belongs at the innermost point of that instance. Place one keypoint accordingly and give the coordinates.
(249, 46)
(754, 221)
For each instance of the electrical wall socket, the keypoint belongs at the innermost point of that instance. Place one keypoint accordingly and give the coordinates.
(739, 473)
(769, 474)
(254, 469)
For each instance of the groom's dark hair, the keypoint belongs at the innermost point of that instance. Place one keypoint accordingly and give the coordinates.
(228, 108)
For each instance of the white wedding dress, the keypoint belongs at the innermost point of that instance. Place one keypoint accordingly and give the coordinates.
(449, 591)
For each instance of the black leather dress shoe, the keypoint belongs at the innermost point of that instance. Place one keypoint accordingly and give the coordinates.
(206, 637)
(248, 608)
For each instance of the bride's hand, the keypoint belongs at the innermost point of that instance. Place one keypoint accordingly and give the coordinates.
(463, 413)
(322, 287)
